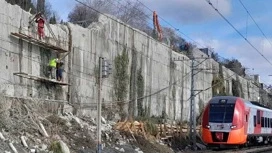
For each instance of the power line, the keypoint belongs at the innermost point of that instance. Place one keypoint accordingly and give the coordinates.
(238, 31)
(112, 19)
(154, 93)
(255, 22)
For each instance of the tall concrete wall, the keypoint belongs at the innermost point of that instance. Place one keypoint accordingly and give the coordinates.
(166, 84)
(17, 55)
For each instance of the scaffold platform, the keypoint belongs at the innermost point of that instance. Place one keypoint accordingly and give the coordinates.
(38, 42)
(41, 79)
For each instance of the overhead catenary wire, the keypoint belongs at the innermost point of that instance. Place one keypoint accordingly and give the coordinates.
(238, 31)
(255, 22)
(171, 25)
(130, 100)
(158, 91)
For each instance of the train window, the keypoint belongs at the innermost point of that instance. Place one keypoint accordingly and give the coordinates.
(262, 121)
(265, 122)
(246, 118)
(258, 117)
(271, 123)
(254, 120)
(221, 113)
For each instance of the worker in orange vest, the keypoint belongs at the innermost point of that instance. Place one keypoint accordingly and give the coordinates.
(40, 20)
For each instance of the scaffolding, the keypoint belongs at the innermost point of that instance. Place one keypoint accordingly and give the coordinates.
(38, 42)
(40, 79)
(47, 45)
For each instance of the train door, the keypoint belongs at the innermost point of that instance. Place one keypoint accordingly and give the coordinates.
(257, 122)
(247, 121)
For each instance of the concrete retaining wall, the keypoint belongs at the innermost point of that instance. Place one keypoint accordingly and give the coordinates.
(108, 38)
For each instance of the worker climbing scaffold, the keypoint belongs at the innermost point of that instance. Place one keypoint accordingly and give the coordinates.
(40, 20)
(52, 68)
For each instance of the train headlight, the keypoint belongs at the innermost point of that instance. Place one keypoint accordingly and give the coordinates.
(233, 126)
(208, 126)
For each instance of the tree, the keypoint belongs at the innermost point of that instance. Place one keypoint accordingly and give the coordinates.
(46, 9)
(235, 66)
(24, 4)
(82, 15)
(216, 57)
(133, 14)
(40, 6)
(175, 40)
(129, 11)
(53, 19)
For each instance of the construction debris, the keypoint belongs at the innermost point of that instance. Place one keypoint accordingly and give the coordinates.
(24, 141)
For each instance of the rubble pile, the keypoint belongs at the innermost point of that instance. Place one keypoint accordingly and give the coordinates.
(29, 127)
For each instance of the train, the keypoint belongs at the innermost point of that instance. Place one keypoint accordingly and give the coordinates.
(229, 121)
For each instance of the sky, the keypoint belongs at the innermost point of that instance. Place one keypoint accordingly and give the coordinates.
(198, 20)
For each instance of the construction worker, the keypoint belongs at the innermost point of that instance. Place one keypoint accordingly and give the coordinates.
(52, 68)
(60, 69)
(40, 20)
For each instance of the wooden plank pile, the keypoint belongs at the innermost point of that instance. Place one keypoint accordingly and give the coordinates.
(165, 131)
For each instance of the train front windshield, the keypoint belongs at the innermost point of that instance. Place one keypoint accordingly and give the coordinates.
(221, 113)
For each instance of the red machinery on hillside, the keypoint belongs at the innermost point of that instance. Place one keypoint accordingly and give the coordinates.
(157, 26)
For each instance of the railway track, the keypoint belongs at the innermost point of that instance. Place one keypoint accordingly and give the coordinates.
(252, 149)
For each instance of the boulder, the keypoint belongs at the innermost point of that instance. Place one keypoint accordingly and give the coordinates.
(64, 147)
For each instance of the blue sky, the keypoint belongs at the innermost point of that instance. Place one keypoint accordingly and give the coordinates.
(199, 21)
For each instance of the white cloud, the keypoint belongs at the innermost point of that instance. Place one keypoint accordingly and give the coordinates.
(189, 11)
(249, 57)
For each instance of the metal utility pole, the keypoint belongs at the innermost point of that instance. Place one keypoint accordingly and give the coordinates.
(99, 146)
(194, 71)
(104, 72)
(192, 109)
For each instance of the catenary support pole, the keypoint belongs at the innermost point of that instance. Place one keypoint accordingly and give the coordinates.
(192, 110)
(99, 145)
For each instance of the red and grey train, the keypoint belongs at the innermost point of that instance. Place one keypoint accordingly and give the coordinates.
(229, 121)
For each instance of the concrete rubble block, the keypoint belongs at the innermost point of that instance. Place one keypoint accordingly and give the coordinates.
(43, 130)
(121, 142)
(64, 147)
(12, 147)
(136, 123)
(38, 141)
(43, 147)
(106, 127)
(2, 136)
(92, 120)
(78, 121)
(138, 150)
(32, 150)
(122, 150)
(107, 136)
(112, 123)
(103, 120)
(23, 139)
(116, 148)
(68, 109)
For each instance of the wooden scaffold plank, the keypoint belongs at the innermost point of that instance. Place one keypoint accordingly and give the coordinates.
(38, 42)
(38, 78)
